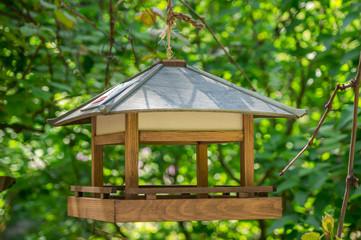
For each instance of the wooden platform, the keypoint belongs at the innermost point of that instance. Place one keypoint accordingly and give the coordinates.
(164, 210)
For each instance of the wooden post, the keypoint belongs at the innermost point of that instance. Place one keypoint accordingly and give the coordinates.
(131, 153)
(247, 153)
(202, 168)
(97, 159)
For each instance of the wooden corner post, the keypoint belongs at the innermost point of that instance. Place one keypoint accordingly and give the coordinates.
(247, 153)
(131, 153)
(97, 159)
(202, 168)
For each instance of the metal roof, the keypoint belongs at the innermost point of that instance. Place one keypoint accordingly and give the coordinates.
(173, 86)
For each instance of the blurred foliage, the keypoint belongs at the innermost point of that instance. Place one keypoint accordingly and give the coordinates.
(293, 51)
(327, 226)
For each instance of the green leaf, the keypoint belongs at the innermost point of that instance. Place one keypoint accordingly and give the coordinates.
(40, 93)
(279, 223)
(335, 3)
(148, 17)
(349, 19)
(328, 223)
(287, 184)
(313, 221)
(28, 30)
(350, 55)
(47, 5)
(301, 198)
(65, 19)
(311, 236)
(60, 86)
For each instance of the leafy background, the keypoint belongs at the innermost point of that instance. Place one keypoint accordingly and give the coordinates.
(293, 51)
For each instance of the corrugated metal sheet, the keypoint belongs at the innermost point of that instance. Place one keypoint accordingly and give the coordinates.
(164, 88)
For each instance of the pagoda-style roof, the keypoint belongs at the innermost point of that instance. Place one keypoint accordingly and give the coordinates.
(172, 86)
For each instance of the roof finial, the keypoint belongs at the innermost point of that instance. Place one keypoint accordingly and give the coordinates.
(171, 16)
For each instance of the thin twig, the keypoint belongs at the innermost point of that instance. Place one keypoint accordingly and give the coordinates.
(62, 5)
(351, 180)
(32, 60)
(80, 73)
(111, 41)
(112, 234)
(131, 40)
(120, 231)
(224, 165)
(328, 107)
(220, 44)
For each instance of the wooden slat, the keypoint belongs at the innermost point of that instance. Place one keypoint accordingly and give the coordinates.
(202, 167)
(110, 139)
(191, 136)
(179, 190)
(122, 187)
(197, 209)
(173, 137)
(92, 208)
(131, 153)
(91, 189)
(97, 159)
(247, 153)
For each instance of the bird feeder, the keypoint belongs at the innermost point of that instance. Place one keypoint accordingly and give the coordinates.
(171, 103)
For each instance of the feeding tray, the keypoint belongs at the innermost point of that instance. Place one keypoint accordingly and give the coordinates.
(171, 103)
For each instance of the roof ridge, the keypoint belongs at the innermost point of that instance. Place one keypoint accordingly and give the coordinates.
(292, 110)
(105, 109)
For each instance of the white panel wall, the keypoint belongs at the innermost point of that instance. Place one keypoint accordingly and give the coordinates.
(173, 121)
(110, 124)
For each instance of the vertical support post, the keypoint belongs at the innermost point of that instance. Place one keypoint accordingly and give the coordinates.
(131, 153)
(202, 168)
(247, 153)
(97, 159)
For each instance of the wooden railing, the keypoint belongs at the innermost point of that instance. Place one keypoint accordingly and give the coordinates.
(151, 191)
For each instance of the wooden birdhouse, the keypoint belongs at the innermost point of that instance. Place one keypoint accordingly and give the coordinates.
(171, 103)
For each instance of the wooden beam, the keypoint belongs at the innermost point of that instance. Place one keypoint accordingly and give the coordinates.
(97, 159)
(179, 190)
(110, 139)
(90, 189)
(113, 210)
(247, 153)
(191, 136)
(197, 209)
(202, 167)
(131, 153)
(173, 137)
(92, 208)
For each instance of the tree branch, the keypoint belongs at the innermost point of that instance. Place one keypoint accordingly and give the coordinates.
(219, 43)
(328, 107)
(18, 127)
(111, 41)
(351, 180)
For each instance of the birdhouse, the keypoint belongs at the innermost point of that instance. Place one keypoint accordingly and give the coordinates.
(171, 103)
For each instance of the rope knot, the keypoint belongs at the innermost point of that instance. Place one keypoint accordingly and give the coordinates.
(171, 16)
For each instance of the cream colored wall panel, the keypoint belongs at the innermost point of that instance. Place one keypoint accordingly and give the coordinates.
(110, 124)
(172, 121)
(190, 121)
